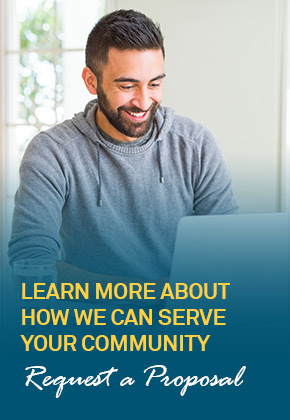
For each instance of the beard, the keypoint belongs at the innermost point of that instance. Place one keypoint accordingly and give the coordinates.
(122, 123)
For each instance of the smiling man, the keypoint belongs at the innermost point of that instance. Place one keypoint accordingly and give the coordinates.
(127, 104)
(103, 192)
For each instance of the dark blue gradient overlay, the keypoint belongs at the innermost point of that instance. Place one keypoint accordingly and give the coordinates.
(251, 252)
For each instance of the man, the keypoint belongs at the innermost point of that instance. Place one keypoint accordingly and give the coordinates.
(107, 188)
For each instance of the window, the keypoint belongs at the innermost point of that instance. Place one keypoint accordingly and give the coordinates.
(43, 59)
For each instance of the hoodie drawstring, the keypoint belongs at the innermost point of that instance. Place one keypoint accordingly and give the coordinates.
(100, 201)
(160, 163)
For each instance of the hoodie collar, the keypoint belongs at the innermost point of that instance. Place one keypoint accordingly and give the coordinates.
(85, 122)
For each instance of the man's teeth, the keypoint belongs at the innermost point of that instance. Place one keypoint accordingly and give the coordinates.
(136, 114)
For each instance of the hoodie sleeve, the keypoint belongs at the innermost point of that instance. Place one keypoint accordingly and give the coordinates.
(213, 187)
(38, 202)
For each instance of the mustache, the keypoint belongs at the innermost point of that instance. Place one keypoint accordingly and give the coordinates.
(137, 110)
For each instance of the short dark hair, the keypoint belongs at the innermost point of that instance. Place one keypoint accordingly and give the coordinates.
(123, 30)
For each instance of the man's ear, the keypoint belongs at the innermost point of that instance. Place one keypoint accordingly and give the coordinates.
(90, 80)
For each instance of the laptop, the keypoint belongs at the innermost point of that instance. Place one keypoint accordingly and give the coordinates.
(246, 257)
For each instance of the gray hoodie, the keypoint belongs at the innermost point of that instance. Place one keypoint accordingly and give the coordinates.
(114, 209)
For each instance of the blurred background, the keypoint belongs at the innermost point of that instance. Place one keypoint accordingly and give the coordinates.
(227, 66)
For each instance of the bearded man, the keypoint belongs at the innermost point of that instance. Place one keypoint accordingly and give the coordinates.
(102, 193)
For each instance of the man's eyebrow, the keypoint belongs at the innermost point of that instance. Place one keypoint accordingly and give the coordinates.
(129, 80)
(158, 77)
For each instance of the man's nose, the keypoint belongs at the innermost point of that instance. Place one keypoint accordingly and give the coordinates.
(142, 99)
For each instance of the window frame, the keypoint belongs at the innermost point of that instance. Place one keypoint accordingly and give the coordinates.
(4, 124)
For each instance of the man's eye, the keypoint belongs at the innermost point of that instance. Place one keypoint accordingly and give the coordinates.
(127, 87)
(154, 85)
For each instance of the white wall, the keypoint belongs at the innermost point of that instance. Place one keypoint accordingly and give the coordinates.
(1, 131)
(223, 69)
